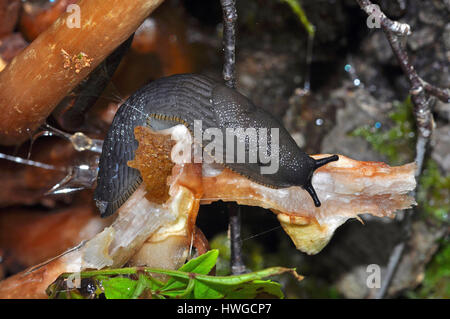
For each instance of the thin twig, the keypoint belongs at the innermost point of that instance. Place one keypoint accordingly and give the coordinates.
(229, 47)
(441, 94)
(395, 27)
(229, 40)
(418, 94)
(396, 254)
(237, 263)
(422, 112)
(393, 30)
(394, 261)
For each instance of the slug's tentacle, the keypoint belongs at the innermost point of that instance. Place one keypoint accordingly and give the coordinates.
(308, 186)
(312, 192)
(324, 161)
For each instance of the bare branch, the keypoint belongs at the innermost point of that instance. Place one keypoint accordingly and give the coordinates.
(441, 94)
(229, 40)
(421, 106)
(229, 47)
(237, 263)
(398, 28)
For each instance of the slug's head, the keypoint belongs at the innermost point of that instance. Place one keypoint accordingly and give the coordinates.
(302, 174)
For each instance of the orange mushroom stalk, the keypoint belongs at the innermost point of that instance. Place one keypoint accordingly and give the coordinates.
(60, 58)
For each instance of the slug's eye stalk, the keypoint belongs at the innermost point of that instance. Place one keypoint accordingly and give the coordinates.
(308, 187)
(323, 161)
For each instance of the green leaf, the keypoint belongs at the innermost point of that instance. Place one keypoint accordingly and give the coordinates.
(208, 291)
(119, 288)
(200, 265)
(142, 284)
(262, 288)
(247, 290)
(153, 283)
(228, 286)
(239, 286)
(239, 279)
(183, 293)
(191, 281)
(173, 294)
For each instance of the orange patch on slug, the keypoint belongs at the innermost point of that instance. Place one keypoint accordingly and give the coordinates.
(152, 159)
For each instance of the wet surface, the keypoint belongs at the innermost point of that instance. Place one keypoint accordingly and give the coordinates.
(354, 80)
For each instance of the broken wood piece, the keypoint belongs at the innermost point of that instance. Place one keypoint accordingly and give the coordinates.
(36, 80)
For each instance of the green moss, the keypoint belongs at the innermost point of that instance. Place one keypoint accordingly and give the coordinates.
(436, 283)
(314, 288)
(433, 193)
(397, 142)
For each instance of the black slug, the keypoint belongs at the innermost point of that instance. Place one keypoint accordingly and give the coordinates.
(186, 98)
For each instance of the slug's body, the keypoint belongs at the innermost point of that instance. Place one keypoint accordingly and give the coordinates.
(183, 99)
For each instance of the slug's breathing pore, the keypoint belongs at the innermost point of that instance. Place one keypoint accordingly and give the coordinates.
(186, 99)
